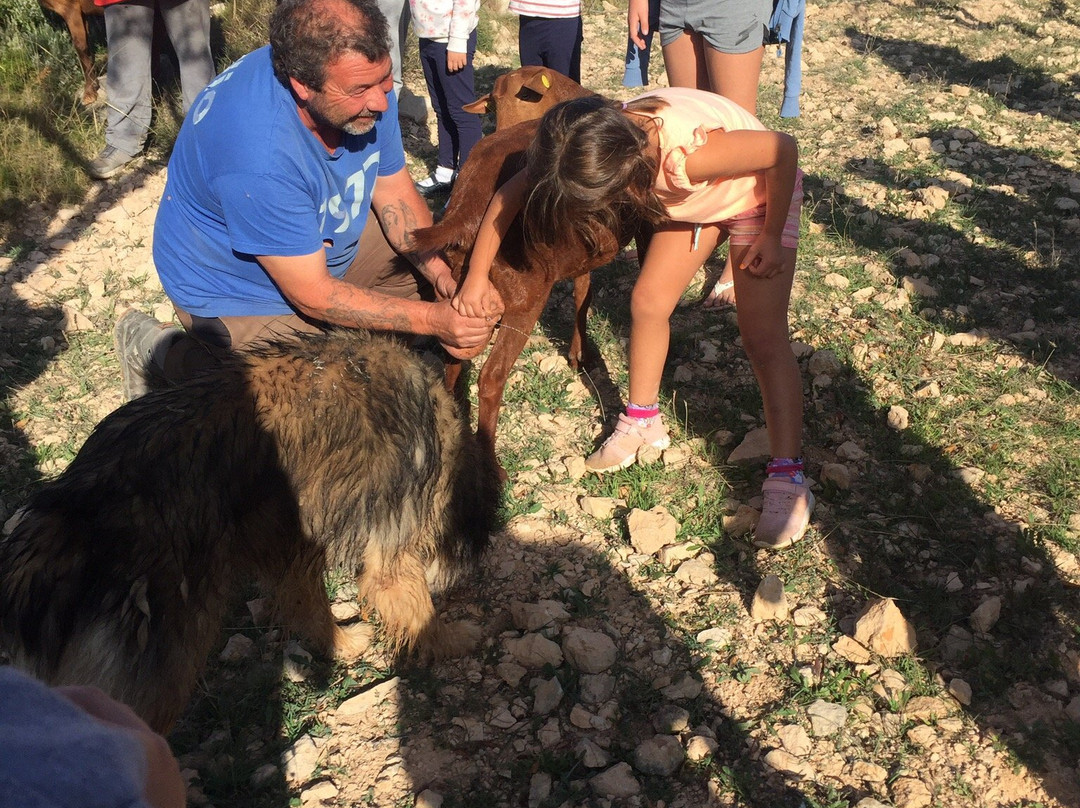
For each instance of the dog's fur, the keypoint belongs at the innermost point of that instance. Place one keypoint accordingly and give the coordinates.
(74, 14)
(338, 450)
(525, 94)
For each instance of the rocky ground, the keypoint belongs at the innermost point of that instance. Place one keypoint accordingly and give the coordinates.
(919, 648)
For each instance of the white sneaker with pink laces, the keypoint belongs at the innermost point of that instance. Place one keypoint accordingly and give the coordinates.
(621, 448)
(785, 513)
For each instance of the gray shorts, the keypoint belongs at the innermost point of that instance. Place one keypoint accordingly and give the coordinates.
(729, 26)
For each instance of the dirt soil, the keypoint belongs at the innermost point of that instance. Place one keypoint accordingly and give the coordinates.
(612, 673)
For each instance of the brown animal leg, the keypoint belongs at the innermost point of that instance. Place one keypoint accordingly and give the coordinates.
(396, 586)
(582, 300)
(72, 12)
(509, 342)
(452, 374)
(302, 605)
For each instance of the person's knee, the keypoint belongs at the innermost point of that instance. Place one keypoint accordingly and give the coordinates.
(648, 306)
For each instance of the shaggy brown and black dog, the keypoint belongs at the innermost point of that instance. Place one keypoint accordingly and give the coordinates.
(337, 450)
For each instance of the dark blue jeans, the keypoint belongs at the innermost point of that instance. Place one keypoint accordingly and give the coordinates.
(458, 130)
(553, 42)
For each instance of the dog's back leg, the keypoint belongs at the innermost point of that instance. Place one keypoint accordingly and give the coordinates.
(303, 606)
(396, 587)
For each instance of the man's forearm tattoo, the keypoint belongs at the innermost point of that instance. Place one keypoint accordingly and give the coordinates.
(399, 222)
(381, 315)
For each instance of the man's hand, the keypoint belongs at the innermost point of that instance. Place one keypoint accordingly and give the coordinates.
(438, 272)
(463, 337)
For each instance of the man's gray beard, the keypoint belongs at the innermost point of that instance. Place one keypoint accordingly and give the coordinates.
(359, 126)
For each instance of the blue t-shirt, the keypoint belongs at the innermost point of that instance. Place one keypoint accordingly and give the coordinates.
(247, 178)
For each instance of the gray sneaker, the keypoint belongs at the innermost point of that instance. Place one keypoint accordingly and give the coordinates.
(137, 335)
(108, 163)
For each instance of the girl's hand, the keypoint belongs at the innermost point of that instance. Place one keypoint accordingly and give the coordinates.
(477, 299)
(765, 257)
(455, 61)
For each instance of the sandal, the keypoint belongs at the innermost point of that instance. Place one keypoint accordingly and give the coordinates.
(718, 297)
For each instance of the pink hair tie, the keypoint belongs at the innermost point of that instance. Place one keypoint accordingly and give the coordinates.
(624, 105)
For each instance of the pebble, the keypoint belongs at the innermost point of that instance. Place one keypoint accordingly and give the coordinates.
(770, 601)
(652, 529)
(660, 755)
(618, 782)
(826, 718)
(589, 651)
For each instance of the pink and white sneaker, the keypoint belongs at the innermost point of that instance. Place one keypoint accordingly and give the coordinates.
(785, 513)
(621, 448)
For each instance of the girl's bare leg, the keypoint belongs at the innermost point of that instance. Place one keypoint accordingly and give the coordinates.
(684, 62)
(734, 76)
(670, 264)
(763, 325)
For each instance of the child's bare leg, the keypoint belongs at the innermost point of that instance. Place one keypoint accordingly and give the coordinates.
(763, 304)
(763, 325)
(735, 76)
(684, 62)
(670, 264)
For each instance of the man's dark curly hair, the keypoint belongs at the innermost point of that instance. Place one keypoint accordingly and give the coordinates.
(307, 35)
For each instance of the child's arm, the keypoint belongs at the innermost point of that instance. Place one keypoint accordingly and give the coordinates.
(463, 19)
(475, 295)
(776, 155)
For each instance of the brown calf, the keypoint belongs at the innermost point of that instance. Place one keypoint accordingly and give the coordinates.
(523, 277)
(75, 13)
(525, 94)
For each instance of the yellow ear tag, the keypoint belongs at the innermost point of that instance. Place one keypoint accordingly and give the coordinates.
(545, 80)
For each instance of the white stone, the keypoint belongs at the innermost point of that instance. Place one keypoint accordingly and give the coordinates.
(686, 688)
(547, 696)
(428, 799)
(535, 616)
(652, 529)
(884, 630)
(298, 762)
(770, 600)
(660, 755)
(754, 447)
(986, 615)
(826, 718)
(795, 740)
(589, 651)
(365, 703)
(898, 418)
(237, 648)
(700, 747)
(535, 651)
(618, 782)
(960, 690)
(539, 789)
(318, 793)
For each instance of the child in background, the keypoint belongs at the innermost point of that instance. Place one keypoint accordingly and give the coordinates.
(447, 33)
(717, 173)
(550, 34)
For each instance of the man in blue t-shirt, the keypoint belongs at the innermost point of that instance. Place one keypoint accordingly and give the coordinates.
(288, 204)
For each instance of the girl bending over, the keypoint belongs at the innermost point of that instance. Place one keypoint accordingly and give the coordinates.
(706, 170)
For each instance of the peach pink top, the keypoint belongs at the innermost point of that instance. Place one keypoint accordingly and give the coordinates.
(684, 126)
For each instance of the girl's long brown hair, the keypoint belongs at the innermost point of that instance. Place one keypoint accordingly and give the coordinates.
(591, 170)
